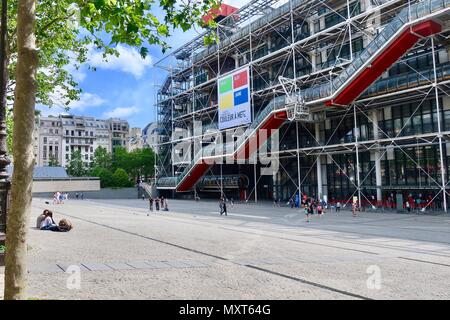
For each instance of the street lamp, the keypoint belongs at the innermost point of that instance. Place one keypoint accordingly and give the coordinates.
(4, 161)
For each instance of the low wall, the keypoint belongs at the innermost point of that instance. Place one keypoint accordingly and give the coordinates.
(106, 193)
(66, 185)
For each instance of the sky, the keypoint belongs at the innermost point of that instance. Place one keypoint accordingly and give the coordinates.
(125, 86)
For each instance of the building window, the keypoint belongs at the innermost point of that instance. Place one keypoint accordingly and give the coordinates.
(45, 140)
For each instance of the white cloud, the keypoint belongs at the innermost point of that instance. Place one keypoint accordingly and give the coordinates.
(128, 61)
(87, 100)
(121, 112)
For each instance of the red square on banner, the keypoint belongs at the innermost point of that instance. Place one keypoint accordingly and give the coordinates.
(240, 79)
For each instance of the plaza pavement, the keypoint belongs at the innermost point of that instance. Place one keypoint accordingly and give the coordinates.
(258, 252)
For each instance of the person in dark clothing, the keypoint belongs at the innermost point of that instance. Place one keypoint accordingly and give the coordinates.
(150, 200)
(225, 207)
(162, 202)
(157, 204)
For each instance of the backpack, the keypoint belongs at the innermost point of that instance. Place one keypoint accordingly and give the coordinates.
(65, 225)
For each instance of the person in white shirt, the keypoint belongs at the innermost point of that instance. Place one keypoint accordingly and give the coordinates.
(48, 223)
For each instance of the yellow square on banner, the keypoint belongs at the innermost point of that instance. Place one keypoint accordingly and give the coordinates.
(226, 101)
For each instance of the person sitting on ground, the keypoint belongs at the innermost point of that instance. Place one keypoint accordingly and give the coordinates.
(48, 223)
(41, 218)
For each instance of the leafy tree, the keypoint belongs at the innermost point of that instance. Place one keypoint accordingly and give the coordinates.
(121, 159)
(52, 161)
(106, 177)
(76, 166)
(148, 159)
(42, 43)
(121, 179)
(102, 159)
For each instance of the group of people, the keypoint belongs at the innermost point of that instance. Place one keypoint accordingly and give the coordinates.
(311, 206)
(45, 222)
(79, 195)
(159, 203)
(59, 197)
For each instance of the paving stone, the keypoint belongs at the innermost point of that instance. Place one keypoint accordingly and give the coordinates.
(139, 264)
(120, 266)
(44, 268)
(158, 265)
(196, 263)
(64, 266)
(241, 262)
(178, 264)
(271, 261)
(96, 266)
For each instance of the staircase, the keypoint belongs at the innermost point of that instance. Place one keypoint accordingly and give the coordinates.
(399, 36)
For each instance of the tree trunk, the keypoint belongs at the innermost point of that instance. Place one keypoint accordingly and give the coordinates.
(22, 179)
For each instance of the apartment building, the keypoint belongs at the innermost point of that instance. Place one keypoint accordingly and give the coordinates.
(135, 139)
(57, 137)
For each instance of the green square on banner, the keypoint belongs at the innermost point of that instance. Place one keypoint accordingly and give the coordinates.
(225, 85)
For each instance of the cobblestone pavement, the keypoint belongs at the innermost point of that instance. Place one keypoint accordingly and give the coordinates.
(122, 251)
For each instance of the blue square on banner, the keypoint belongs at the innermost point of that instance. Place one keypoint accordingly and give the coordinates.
(241, 96)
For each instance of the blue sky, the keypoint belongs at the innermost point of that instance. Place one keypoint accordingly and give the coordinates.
(124, 87)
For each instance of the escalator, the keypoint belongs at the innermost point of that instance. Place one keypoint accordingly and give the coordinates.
(399, 36)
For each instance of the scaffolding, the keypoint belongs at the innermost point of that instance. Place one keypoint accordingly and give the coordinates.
(304, 57)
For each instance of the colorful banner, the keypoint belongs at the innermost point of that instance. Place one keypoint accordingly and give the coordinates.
(234, 99)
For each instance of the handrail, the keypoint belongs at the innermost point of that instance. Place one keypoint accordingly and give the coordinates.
(406, 18)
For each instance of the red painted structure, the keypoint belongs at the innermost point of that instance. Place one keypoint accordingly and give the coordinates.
(354, 89)
(389, 56)
(220, 13)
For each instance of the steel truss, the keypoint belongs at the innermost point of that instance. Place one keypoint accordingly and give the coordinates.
(328, 43)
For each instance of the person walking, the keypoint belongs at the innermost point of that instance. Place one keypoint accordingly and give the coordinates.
(354, 208)
(232, 202)
(76, 195)
(166, 205)
(225, 207)
(221, 205)
(310, 208)
(306, 209)
(162, 203)
(150, 200)
(319, 210)
(338, 207)
(157, 204)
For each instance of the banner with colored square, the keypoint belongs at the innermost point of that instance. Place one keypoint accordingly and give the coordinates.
(234, 99)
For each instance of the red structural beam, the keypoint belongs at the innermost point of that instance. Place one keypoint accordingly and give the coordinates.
(273, 122)
(222, 12)
(388, 57)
